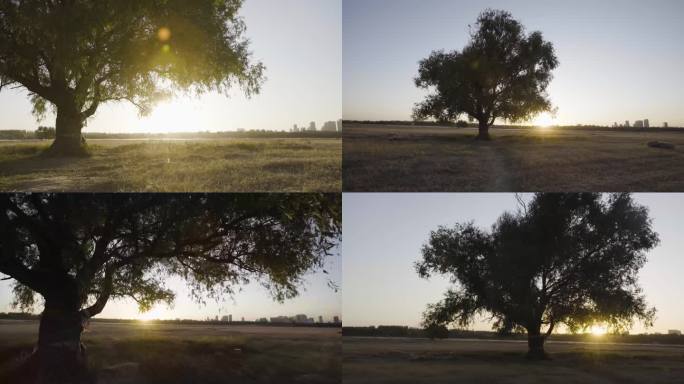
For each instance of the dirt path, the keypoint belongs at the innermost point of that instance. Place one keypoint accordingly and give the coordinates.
(500, 179)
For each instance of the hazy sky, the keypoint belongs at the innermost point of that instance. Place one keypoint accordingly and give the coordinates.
(619, 59)
(383, 234)
(300, 43)
(316, 299)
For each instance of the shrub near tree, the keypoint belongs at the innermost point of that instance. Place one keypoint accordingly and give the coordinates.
(562, 259)
(501, 74)
(74, 56)
(77, 252)
(44, 133)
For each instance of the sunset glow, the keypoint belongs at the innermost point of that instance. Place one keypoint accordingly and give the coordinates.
(598, 330)
(544, 120)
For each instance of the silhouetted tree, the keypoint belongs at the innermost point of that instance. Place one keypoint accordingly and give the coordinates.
(569, 259)
(501, 73)
(76, 55)
(80, 251)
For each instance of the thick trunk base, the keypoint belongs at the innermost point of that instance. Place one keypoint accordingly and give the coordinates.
(483, 133)
(535, 344)
(69, 141)
(60, 356)
(68, 146)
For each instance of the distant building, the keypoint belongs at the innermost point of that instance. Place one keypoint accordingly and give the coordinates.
(638, 124)
(646, 123)
(225, 318)
(674, 332)
(243, 319)
(295, 128)
(627, 123)
(329, 126)
(280, 319)
(665, 124)
(262, 320)
(336, 320)
(320, 319)
(312, 126)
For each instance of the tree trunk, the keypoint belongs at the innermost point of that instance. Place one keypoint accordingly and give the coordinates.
(60, 355)
(483, 132)
(68, 141)
(535, 344)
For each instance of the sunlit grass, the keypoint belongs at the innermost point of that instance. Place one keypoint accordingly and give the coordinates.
(249, 165)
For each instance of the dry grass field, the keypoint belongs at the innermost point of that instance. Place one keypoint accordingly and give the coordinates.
(418, 158)
(224, 165)
(155, 353)
(401, 360)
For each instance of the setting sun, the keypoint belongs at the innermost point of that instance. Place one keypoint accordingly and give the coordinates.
(544, 120)
(598, 330)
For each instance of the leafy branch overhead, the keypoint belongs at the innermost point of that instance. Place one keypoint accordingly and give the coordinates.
(79, 251)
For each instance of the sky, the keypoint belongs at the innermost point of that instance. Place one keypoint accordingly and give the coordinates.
(619, 59)
(251, 302)
(383, 235)
(299, 42)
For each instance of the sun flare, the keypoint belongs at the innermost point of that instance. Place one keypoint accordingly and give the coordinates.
(598, 330)
(544, 120)
(180, 115)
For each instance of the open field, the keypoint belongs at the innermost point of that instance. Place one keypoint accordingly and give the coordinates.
(154, 353)
(421, 158)
(403, 360)
(223, 165)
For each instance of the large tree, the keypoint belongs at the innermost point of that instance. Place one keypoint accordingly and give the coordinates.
(501, 74)
(78, 252)
(569, 259)
(75, 55)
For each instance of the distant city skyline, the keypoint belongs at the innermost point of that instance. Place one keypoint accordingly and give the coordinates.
(619, 60)
(303, 82)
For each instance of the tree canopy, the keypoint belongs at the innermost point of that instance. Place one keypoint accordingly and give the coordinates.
(502, 73)
(570, 259)
(75, 55)
(82, 250)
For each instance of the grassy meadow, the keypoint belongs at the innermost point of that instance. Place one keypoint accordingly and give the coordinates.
(401, 360)
(151, 353)
(421, 158)
(222, 165)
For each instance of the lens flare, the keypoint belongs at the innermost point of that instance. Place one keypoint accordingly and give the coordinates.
(164, 34)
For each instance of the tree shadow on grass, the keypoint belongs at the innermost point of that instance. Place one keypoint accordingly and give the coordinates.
(26, 168)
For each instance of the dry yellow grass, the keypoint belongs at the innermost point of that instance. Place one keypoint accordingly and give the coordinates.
(405, 158)
(232, 165)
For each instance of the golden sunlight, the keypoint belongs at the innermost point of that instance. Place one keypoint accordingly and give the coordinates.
(598, 330)
(544, 120)
(153, 314)
(179, 115)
